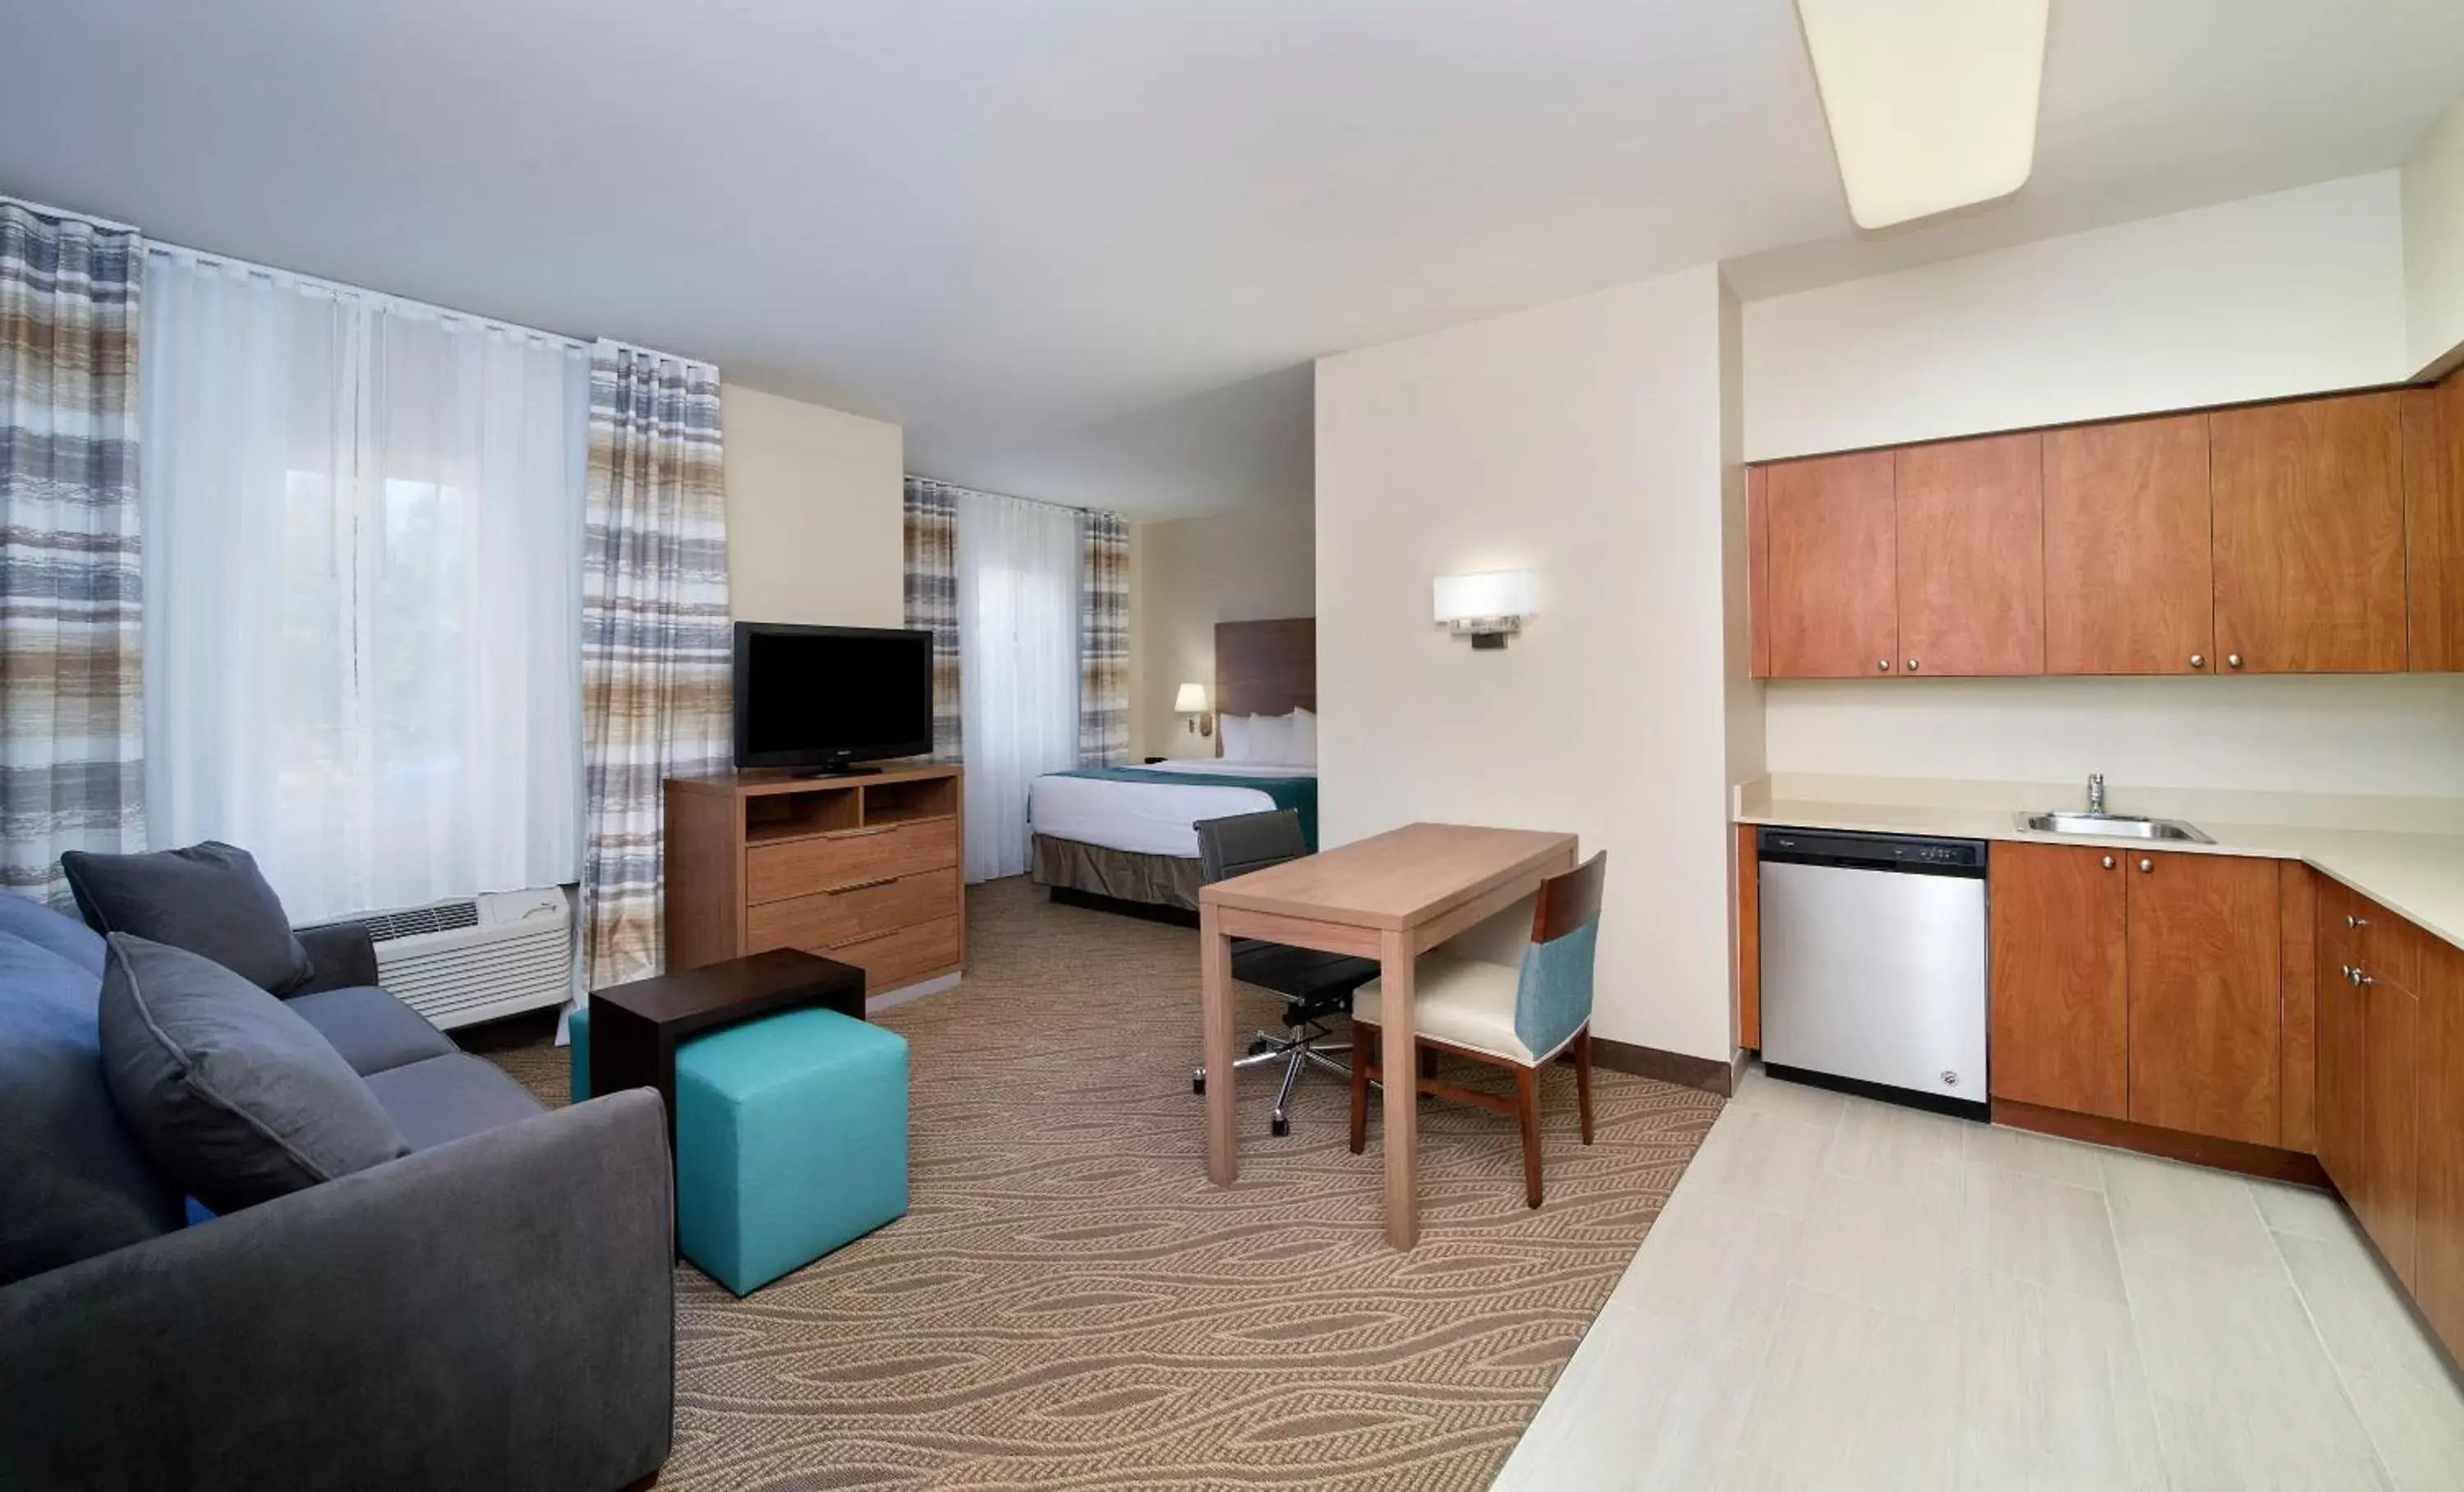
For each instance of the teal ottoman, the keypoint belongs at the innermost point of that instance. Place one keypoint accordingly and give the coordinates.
(791, 1140)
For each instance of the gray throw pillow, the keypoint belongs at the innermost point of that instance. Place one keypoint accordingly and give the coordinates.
(208, 899)
(229, 1091)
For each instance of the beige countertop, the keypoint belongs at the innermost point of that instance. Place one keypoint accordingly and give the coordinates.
(2405, 854)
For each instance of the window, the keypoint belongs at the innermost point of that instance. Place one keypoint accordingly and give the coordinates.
(362, 563)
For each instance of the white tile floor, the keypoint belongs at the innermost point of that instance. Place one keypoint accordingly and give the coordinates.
(1845, 1294)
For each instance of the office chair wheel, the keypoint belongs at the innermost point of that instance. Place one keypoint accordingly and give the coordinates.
(1259, 1046)
(1280, 1126)
(1197, 1081)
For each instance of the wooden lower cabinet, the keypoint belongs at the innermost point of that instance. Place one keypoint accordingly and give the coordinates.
(2438, 1097)
(2389, 1203)
(2205, 987)
(2392, 1094)
(2343, 1055)
(2059, 977)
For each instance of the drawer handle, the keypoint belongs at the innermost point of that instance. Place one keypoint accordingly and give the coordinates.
(864, 833)
(864, 885)
(869, 937)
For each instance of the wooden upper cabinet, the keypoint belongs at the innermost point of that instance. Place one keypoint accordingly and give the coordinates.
(2433, 518)
(1758, 570)
(2308, 530)
(2206, 960)
(2129, 587)
(1834, 606)
(2059, 977)
(1971, 562)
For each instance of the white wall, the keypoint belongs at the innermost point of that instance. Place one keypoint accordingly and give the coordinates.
(816, 517)
(2433, 243)
(2393, 734)
(1252, 564)
(2292, 293)
(1582, 441)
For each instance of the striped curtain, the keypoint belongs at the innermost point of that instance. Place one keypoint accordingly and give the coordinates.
(72, 723)
(656, 646)
(932, 601)
(1103, 639)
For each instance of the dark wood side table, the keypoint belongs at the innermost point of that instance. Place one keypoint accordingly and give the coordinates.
(635, 1027)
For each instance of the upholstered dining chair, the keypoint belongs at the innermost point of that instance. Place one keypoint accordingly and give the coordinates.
(1518, 1017)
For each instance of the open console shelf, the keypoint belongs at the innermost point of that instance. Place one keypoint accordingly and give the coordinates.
(864, 870)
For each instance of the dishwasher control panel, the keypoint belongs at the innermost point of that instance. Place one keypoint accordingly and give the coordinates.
(1871, 852)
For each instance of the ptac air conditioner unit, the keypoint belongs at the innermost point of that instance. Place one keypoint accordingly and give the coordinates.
(477, 958)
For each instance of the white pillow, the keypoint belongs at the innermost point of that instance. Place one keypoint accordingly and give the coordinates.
(1304, 751)
(1270, 740)
(1236, 736)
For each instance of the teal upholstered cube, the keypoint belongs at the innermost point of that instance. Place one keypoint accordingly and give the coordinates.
(576, 1071)
(791, 1140)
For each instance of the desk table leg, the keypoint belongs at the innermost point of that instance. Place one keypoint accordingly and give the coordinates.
(1401, 1062)
(1215, 1005)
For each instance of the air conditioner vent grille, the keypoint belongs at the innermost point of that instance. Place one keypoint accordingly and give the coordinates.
(444, 917)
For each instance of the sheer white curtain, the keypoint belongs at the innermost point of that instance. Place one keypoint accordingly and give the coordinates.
(1018, 666)
(362, 575)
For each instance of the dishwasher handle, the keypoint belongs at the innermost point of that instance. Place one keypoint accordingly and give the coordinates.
(1906, 855)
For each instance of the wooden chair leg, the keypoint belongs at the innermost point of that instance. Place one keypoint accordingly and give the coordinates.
(1583, 1079)
(1364, 1048)
(1527, 1103)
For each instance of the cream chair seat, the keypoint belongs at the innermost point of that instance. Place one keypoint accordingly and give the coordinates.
(1459, 1001)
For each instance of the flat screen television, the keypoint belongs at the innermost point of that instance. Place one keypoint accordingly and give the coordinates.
(821, 698)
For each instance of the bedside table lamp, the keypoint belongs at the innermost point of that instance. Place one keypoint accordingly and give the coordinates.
(1192, 703)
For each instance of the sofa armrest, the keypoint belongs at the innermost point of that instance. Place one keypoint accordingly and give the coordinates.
(341, 955)
(496, 1312)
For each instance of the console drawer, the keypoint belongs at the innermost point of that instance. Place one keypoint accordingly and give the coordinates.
(798, 867)
(896, 958)
(856, 910)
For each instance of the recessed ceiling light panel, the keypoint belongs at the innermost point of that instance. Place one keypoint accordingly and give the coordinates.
(1932, 103)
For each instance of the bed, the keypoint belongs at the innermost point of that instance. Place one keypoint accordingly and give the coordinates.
(1124, 839)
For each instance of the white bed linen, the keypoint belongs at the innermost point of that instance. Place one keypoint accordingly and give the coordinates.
(1148, 818)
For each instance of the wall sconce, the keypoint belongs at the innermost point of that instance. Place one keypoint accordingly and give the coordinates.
(1488, 607)
(1192, 703)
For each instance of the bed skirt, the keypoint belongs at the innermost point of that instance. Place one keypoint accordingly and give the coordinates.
(1163, 881)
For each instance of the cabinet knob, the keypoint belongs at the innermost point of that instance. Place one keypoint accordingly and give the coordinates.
(2146, 866)
(2361, 978)
(2198, 660)
(2232, 661)
(2108, 862)
(2350, 920)
(1912, 665)
(1885, 664)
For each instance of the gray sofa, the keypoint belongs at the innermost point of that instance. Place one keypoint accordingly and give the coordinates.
(494, 1309)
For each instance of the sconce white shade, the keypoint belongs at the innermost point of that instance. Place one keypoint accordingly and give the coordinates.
(1932, 103)
(1191, 701)
(1490, 593)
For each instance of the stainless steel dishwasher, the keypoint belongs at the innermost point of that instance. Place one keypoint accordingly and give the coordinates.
(1873, 964)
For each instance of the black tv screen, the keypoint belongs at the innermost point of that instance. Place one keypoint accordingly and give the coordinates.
(827, 696)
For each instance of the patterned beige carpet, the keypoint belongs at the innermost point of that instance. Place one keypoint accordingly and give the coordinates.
(1070, 1305)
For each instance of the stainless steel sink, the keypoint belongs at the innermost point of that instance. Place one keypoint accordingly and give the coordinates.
(2112, 826)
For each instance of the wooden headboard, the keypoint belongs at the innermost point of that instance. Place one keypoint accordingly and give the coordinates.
(1265, 668)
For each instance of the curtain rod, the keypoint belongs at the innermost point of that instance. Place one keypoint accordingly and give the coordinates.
(46, 210)
(344, 290)
(1005, 497)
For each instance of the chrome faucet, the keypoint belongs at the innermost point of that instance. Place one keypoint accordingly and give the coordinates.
(2096, 794)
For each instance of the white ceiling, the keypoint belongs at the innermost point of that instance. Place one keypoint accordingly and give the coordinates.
(1084, 249)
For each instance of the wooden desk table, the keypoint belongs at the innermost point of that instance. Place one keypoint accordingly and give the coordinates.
(1391, 897)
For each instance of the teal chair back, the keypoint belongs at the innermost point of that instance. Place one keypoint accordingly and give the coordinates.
(1555, 996)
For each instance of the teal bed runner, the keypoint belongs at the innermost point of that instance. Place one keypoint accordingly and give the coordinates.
(1296, 793)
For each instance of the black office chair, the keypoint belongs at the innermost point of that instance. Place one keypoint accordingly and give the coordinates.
(1314, 984)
